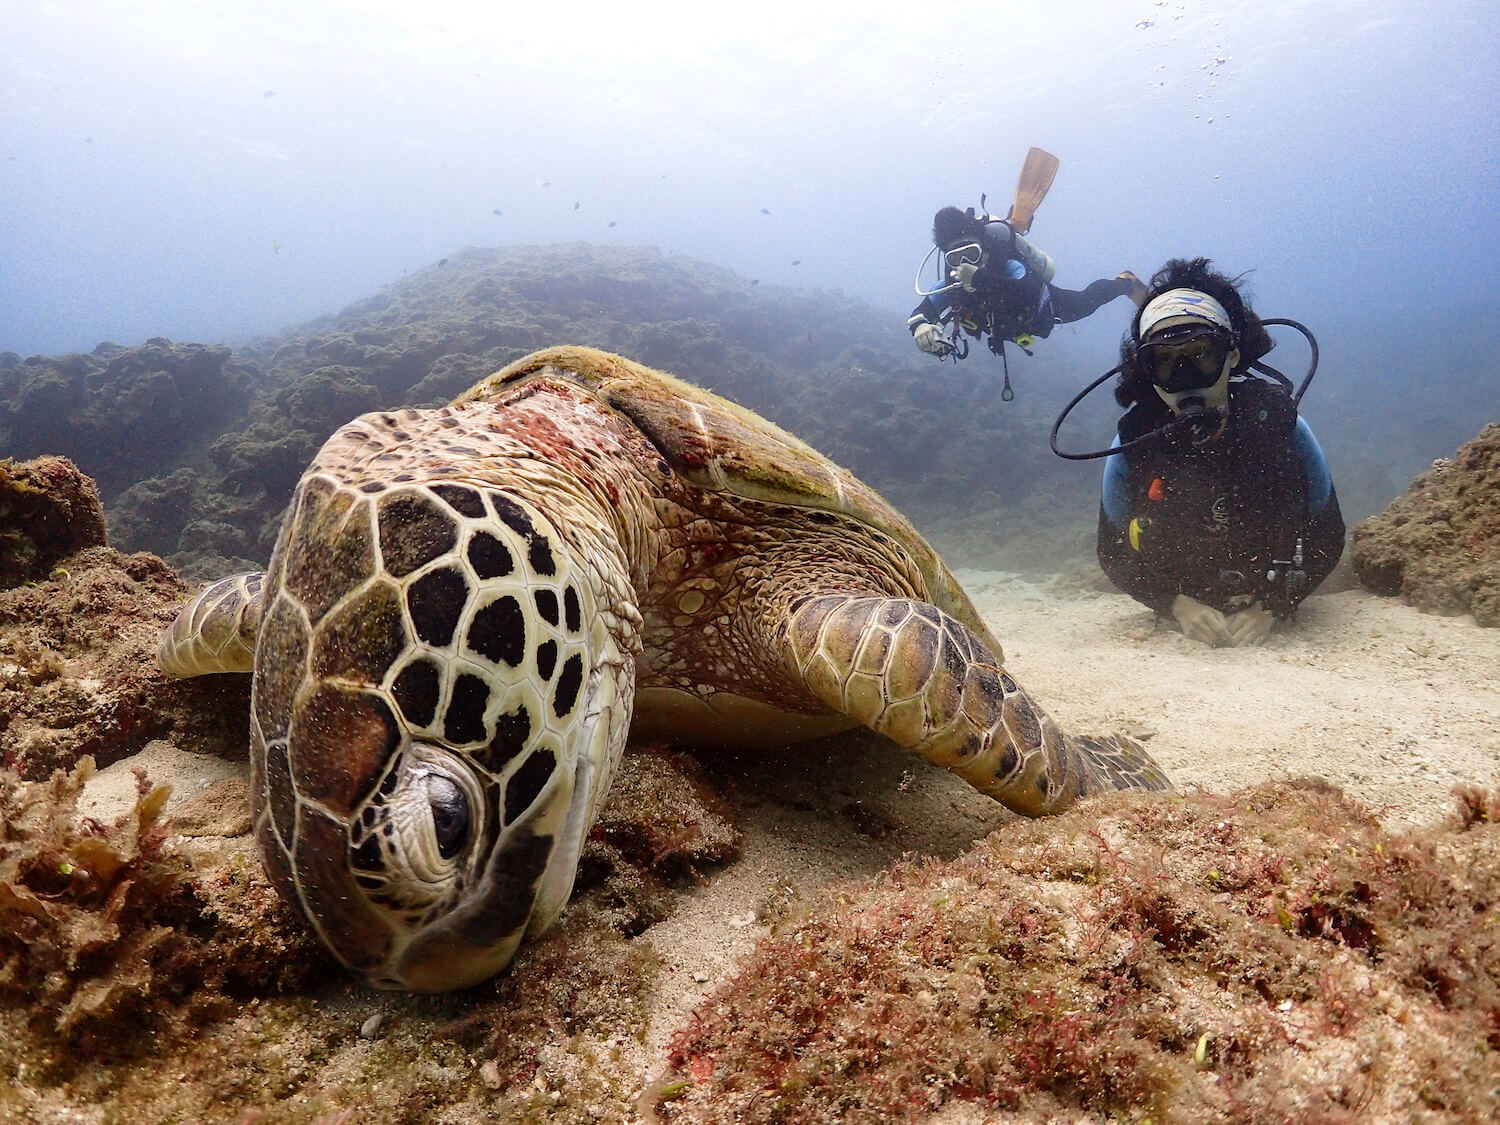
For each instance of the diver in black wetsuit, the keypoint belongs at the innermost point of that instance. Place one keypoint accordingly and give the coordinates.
(997, 284)
(1228, 521)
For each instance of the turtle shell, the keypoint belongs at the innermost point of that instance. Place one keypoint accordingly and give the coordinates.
(721, 446)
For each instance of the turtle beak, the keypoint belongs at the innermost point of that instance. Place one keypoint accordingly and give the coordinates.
(529, 875)
(479, 936)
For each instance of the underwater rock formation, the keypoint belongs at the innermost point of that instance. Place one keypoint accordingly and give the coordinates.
(1438, 547)
(48, 510)
(1268, 955)
(197, 450)
(122, 414)
(78, 629)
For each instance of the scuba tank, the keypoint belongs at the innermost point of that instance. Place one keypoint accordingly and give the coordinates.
(1037, 261)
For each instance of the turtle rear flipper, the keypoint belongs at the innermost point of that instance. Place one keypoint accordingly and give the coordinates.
(215, 631)
(909, 671)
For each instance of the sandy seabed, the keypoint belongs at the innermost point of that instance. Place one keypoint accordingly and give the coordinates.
(1394, 706)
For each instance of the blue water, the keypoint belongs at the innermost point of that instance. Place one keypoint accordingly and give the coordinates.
(210, 172)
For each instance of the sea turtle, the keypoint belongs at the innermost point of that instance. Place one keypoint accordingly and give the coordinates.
(468, 607)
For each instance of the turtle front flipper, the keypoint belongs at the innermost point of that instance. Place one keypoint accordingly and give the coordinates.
(215, 631)
(920, 677)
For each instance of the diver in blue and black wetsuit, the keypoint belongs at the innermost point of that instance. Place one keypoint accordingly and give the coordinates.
(998, 285)
(1226, 521)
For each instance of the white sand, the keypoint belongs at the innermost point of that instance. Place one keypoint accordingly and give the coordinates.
(1393, 705)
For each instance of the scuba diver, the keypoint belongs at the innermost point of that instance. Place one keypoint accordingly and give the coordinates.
(998, 285)
(1217, 506)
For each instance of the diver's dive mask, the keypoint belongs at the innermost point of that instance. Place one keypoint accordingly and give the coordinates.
(1189, 366)
(965, 254)
(955, 268)
(1186, 357)
(1187, 348)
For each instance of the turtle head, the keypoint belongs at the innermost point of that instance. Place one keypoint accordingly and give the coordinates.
(434, 722)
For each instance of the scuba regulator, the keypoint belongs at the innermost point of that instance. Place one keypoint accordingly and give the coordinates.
(1197, 420)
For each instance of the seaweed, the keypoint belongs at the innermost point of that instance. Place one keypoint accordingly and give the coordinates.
(1272, 955)
(109, 935)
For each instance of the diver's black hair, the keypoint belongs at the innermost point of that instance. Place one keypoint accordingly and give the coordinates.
(1250, 335)
(950, 225)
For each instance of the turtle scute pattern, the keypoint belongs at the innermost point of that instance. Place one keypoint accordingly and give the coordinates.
(928, 682)
(215, 631)
(448, 640)
(417, 708)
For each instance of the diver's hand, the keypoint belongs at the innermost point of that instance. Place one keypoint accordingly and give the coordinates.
(929, 338)
(1251, 625)
(963, 273)
(1200, 622)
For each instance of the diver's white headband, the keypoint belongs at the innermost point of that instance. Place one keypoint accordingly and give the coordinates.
(1182, 303)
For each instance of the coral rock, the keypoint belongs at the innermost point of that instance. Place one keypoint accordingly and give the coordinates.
(48, 510)
(1438, 547)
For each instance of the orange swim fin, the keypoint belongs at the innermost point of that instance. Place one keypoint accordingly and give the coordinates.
(1036, 177)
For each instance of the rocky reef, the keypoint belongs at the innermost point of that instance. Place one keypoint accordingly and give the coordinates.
(1438, 546)
(123, 414)
(196, 449)
(1185, 961)
(78, 628)
(1271, 954)
(48, 510)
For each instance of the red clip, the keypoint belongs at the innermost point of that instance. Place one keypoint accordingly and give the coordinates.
(1157, 491)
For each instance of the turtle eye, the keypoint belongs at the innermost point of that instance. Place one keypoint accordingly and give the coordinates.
(450, 814)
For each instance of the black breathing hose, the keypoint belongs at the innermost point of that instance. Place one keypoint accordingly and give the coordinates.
(1187, 420)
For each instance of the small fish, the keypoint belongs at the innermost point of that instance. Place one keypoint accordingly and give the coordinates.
(269, 94)
(611, 222)
(755, 281)
(442, 261)
(496, 211)
(577, 205)
(796, 261)
(546, 183)
(765, 210)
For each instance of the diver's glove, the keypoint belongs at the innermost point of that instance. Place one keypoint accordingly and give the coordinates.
(929, 338)
(1251, 625)
(1200, 622)
(963, 273)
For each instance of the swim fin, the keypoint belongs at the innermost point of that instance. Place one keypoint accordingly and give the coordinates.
(1036, 177)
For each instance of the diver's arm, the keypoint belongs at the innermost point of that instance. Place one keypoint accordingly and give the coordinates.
(1323, 535)
(928, 312)
(1122, 563)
